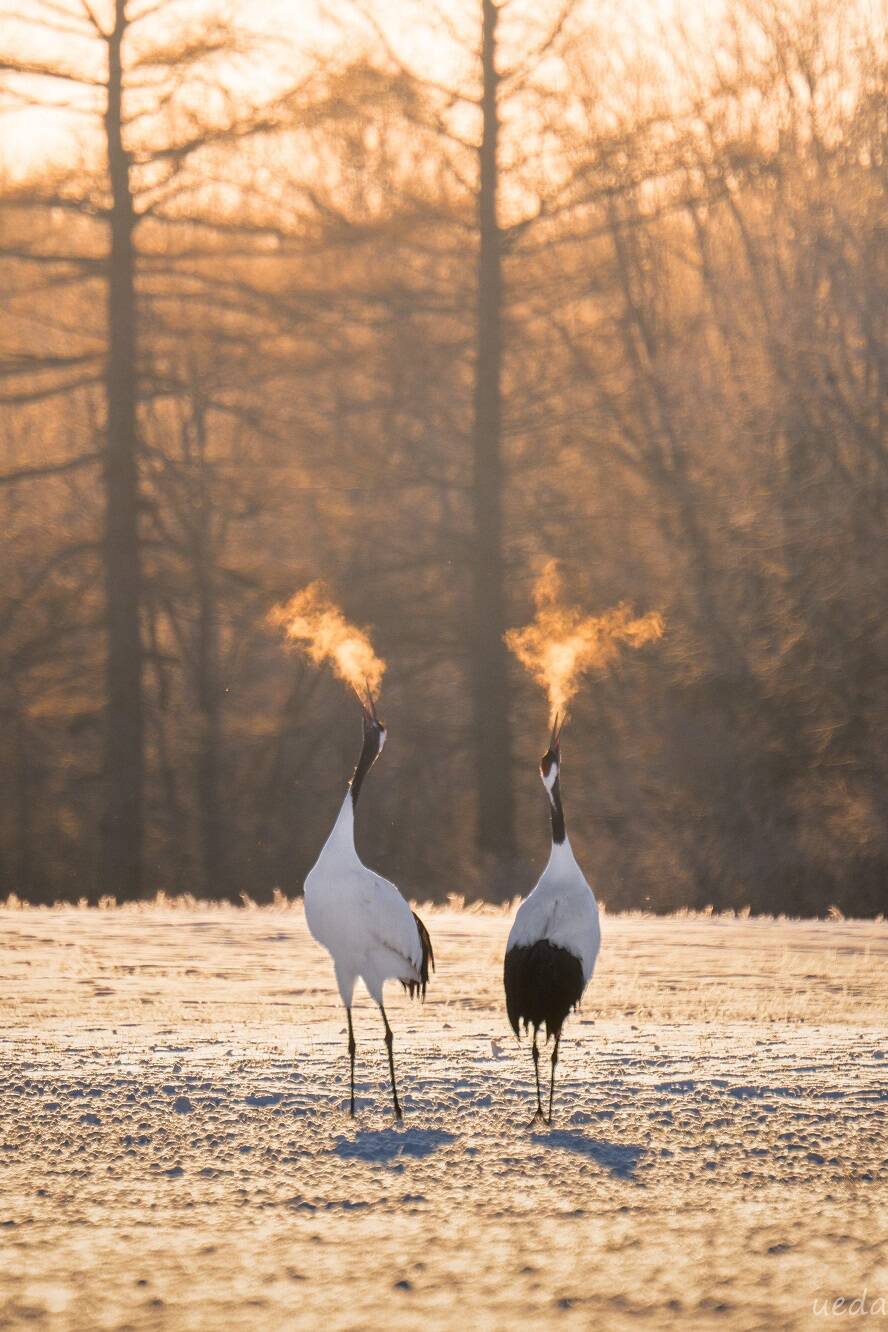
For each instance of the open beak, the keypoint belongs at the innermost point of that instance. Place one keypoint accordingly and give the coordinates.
(368, 705)
(555, 739)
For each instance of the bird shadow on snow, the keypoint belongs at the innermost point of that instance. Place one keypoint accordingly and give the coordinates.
(619, 1158)
(388, 1144)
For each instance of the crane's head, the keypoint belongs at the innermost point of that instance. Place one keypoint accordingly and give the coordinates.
(550, 763)
(374, 729)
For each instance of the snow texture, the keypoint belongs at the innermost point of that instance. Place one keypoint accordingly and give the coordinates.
(175, 1152)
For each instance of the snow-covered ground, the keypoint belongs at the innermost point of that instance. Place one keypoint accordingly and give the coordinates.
(175, 1152)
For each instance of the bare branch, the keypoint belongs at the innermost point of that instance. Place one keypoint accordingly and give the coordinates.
(421, 80)
(518, 75)
(87, 8)
(42, 394)
(48, 469)
(36, 67)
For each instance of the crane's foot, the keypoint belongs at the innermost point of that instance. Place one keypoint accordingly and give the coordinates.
(539, 1118)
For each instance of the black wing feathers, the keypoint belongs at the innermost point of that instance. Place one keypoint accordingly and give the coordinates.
(543, 983)
(428, 957)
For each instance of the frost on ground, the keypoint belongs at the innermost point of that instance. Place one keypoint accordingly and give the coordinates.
(175, 1152)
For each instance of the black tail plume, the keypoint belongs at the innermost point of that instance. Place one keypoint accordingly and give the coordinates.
(428, 957)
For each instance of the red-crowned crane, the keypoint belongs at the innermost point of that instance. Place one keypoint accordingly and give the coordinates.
(554, 941)
(361, 919)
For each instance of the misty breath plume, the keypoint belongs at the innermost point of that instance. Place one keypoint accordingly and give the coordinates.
(561, 643)
(312, 621)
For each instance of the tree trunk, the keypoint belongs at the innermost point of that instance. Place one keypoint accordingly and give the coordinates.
(122, 831)
(209, 696)
(490, 680)
(24, 878)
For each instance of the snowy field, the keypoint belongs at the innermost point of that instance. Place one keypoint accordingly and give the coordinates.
(175, 1153)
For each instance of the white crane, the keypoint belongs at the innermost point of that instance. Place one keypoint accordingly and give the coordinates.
(554, 941)
(360, 918)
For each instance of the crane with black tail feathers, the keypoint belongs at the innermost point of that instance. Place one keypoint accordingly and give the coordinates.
(360, 918)
(555, 938)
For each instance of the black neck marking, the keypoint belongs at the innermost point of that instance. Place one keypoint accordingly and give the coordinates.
(557, 812)
(369, 755)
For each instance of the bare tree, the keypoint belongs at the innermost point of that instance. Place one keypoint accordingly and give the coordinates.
(134, 76)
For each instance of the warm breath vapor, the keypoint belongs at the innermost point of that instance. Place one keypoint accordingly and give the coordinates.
(561, 643)
(315, 624)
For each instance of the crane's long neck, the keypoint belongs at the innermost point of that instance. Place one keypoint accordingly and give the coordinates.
(558, 833)
(343, 834)
(369, 755)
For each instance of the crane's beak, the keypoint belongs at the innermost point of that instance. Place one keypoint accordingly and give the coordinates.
(368, 708)
(553, 753)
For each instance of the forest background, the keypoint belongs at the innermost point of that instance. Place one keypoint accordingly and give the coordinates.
(412, 299)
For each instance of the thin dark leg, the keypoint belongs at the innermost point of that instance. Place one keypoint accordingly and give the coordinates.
(351, 1059)
(552, 1079)
(536, 1068)
(388, 1045)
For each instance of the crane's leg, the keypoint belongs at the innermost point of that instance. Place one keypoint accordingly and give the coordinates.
(388, 1045)
(351, 1060)
(552, 1078)
(536, 1068)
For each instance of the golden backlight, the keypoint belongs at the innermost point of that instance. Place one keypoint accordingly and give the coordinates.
(317, 626)
(561, 643)
(278, 42)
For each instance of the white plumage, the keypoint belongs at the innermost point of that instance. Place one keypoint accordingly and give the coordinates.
(561, 909)
(555, 938)
(360, 918)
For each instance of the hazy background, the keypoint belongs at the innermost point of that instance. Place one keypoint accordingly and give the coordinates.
(359, 295)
